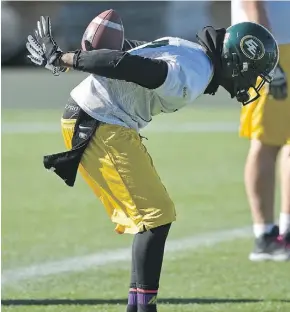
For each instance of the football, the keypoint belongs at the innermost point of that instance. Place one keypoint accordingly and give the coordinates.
(105, 31)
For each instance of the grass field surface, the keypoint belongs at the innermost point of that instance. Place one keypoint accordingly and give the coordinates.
(59, 250)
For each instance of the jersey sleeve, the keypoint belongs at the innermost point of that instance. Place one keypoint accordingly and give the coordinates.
(186, 80)
(131, 44)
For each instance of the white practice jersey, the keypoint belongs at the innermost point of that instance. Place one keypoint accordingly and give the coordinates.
(278, 13)
(130, 105)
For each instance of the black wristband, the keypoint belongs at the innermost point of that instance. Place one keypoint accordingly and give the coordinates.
(57, 60)
(76, 58)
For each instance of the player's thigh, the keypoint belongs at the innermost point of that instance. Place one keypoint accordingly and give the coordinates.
(268, 119)
(132, 178)
(67, 129)
(117, 166)
(95, 180)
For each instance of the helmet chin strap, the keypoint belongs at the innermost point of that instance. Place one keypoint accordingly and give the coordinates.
(241, 94)
(241, 90)
(237, 85)
(232, 84)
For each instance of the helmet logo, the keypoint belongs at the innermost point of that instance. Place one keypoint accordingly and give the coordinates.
(252, 47)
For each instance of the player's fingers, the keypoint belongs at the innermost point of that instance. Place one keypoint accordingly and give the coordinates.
(284, 94)
(49, 30)
(35, 60)
(35, 44)
(36, 34)
(279, 92)
(48, 24)
(285, 90)
(32, 50)
(39, 28)
(44, 25)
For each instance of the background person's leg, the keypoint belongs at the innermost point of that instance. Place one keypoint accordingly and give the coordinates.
(266, 123)
(284, 220)
(260, 185)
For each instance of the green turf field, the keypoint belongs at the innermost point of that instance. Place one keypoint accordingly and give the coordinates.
(51, 231)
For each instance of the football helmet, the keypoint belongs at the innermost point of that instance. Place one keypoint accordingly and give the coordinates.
(249, 57)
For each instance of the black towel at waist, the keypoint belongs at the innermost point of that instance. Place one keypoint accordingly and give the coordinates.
(65, 164)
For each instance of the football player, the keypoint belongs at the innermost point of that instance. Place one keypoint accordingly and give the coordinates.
(120, 97)
(266, 122)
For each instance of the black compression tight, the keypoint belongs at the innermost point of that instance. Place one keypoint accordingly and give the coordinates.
(147, 258)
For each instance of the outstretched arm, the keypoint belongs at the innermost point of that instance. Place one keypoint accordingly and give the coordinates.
(146, 72)
(167, 78)
(44, 51)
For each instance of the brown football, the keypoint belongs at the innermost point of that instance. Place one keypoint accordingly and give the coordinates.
(105, 31)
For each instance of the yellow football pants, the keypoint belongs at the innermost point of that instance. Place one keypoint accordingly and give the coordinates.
(266, 119)
(119, 170)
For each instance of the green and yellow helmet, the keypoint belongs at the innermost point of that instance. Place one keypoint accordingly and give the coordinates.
(250, 55)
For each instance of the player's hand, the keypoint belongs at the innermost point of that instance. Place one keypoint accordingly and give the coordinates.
(37, 55)
(44, 37)
(278, 86)
(43, 49)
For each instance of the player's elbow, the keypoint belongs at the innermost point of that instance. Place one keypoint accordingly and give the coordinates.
(146, 72)
(154, 74)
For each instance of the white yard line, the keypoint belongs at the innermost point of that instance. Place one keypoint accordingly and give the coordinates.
(82, 263)
(186, 127)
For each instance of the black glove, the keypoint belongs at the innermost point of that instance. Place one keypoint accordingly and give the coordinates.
(278, 86)
(43, 49)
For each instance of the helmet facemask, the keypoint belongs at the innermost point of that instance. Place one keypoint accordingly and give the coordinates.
(244, 76)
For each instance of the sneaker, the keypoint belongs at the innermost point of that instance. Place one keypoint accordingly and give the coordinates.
(270, 246)
(285, 238)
